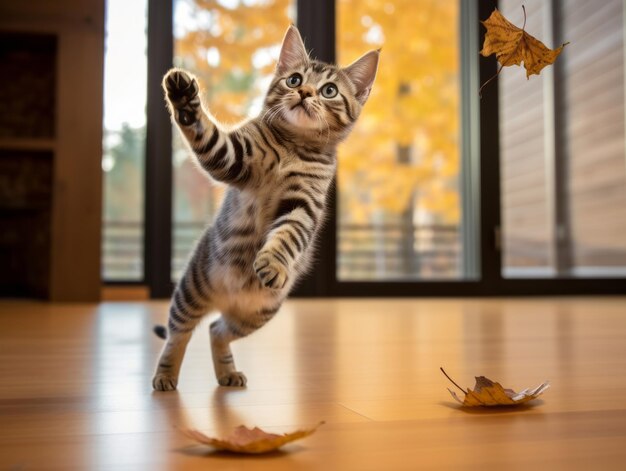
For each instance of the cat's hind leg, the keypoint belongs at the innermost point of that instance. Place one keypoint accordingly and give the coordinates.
(190, 303)
(223, 362)
(226, 329)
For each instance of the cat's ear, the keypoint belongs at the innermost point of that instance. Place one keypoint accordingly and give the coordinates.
(362, 72)
(292, 52)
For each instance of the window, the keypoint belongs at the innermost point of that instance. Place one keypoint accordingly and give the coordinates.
(124, 140)
(399, 190)
(562, 147)
(232, 48)
(438, 192)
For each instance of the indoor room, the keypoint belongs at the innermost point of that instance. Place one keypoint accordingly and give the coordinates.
(312, 234)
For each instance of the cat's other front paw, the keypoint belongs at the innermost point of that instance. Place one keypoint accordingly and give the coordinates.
(180, 87)
(164, 382)
(270, 270)
(236, 379)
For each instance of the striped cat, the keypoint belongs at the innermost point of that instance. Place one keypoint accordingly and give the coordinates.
(278, 168)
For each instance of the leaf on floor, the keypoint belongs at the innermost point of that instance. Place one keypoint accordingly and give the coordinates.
(514, 46)
(490, 393)
(250, 441)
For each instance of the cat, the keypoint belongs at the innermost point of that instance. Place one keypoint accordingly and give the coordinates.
(278, 168)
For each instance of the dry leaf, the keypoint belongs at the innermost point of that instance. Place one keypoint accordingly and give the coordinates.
(250, 441)
(514, 46)
(489, 393)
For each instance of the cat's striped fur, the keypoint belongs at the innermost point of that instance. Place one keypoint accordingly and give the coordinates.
(278, 168)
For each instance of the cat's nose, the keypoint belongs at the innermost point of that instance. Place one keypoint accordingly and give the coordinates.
(306, 91)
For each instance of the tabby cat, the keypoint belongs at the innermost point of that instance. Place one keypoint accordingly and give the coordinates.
(278, 168)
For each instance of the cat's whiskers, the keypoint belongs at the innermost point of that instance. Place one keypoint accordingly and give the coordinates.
(270, 119)
(273, 115)
(271, 110)
(322, 120)
(280, 108)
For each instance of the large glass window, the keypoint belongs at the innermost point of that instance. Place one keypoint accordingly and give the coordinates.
(232, 47)
(562, 145)
(399, 198)
(124, 139)
(408, 179)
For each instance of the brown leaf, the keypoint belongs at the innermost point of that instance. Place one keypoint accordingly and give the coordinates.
(514, 46)
(489, 393)
(249, 441)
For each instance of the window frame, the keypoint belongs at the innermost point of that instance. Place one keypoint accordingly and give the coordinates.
(158, 215)
(480, 175)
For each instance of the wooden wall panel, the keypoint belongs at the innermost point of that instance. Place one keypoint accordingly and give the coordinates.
(590, 138)
(595, 126)
(525, 213)
(77, 179)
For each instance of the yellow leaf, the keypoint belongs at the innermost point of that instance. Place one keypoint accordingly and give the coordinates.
(490, 393)
(514, 46)
(250, 441)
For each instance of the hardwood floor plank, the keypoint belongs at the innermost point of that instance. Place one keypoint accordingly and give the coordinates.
(76, 392)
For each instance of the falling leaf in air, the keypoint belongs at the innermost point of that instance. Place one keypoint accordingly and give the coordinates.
(514, 46)
(250, 441)
(489, 393)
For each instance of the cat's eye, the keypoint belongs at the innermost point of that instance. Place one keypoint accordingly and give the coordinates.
(294, 80)
(330, 90)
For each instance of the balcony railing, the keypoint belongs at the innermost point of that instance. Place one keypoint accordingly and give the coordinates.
(398, 251)
(364, 252)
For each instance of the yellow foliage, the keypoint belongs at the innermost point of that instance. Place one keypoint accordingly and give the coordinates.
(221, 45)
(414, 105)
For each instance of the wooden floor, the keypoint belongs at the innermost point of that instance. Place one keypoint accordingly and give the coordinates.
(75, 386)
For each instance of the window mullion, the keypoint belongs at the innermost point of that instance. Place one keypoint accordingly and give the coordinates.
(158, 197)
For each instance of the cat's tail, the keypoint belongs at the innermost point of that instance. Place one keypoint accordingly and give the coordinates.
(160, 331)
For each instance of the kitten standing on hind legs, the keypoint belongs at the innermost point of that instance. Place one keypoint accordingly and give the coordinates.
(278, 168)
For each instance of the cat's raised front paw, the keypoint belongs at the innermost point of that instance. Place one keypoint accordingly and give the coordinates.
(270, 271)
(180, 87)
(236, 379)
(164, 382)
